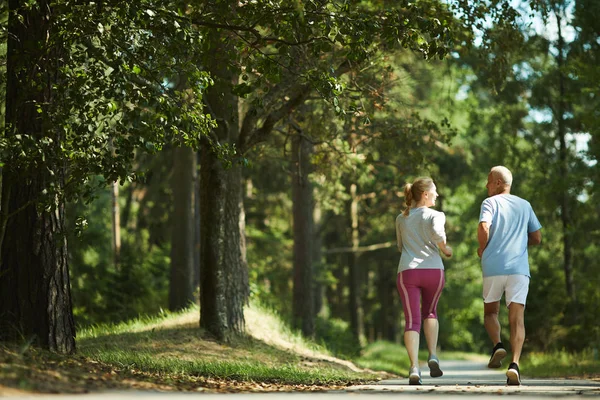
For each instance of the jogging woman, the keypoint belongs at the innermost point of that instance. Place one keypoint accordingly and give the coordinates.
(421, 236)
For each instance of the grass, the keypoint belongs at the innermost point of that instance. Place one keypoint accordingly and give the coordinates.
(229, 370)
(172, 343)
(392, 357)
(561, 364)
(170, 352)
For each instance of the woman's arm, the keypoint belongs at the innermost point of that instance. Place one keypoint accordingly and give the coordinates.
(439, 233)
(398, 233)
(445, 249)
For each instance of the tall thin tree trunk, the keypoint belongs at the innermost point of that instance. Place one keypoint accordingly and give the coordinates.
(336, 297)
(196, 270)
(124, 217)
(181, 292)
(302, 196)
(564, 167)
(318, 266)
(116, 224)
(355, 303)
(224, 285)
(35, 296)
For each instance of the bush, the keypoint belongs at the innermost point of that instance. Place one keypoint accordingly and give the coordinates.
(336, 336)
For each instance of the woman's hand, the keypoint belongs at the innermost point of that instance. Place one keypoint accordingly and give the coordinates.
(445, 249)
(448, 251)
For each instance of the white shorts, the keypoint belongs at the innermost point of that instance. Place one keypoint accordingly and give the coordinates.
(515, 288)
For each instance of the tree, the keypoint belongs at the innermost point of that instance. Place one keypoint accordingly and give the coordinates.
(181, 291)
(75, 85)
(223, 272)
(34, 276)
(303, 206)
(282, 54)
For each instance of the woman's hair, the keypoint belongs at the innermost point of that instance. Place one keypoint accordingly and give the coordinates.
(414, 191)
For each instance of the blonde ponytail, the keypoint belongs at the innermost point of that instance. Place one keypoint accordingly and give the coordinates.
(408, 196)
(414, 191)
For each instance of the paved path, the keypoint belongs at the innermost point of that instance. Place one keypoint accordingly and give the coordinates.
(460, 378)
(467, 377)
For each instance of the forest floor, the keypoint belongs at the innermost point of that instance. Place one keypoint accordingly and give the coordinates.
(170, 353)
(173, 354)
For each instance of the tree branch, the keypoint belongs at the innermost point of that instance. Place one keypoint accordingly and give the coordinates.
(360, 249)
(250, 135)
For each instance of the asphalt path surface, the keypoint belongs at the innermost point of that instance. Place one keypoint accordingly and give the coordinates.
(461, 379)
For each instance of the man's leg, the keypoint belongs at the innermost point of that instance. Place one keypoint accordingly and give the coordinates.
(490, 320)
(516, 319)
(492, 326)
(516, 297)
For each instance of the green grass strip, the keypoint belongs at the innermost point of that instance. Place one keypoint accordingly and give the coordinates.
(561, 364)
(239, 371)
(134, 325)
(392, 357)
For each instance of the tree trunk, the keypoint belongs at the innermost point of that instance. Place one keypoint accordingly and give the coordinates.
(318, 266)
(35, 296)
(223, 270)
(355, 301)
(196, 269)
(302, 198)
(116, 225)
(564, 169)
(124, 218)
(224, 285)
(336, 298)
(181, 291)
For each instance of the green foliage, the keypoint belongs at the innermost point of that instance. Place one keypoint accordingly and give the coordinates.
(336, 336)
(102, 290)
(268, 231)
(385, 356)
(562, 363)
(128, 79)
(131, 82)
(392, 357)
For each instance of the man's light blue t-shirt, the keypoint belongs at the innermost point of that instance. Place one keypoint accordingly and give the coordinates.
(510, 219)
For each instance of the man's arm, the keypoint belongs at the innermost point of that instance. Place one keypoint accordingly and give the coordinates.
(483, 235)
(534, 238)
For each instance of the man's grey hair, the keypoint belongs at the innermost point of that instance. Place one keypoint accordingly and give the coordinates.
(503, 173)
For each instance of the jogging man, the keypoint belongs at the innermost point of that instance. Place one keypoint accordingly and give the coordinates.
(507, 225)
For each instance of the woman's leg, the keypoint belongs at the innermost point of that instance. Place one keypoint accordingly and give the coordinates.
(431, 328)
(410, 294)
(432, 289)
(411, 341)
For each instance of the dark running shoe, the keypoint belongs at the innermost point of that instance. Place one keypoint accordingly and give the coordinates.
(414, 377)
(513, 375)
(498, 354)
(434, 367)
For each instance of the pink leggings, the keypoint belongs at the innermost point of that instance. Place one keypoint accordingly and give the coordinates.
(414, 283)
